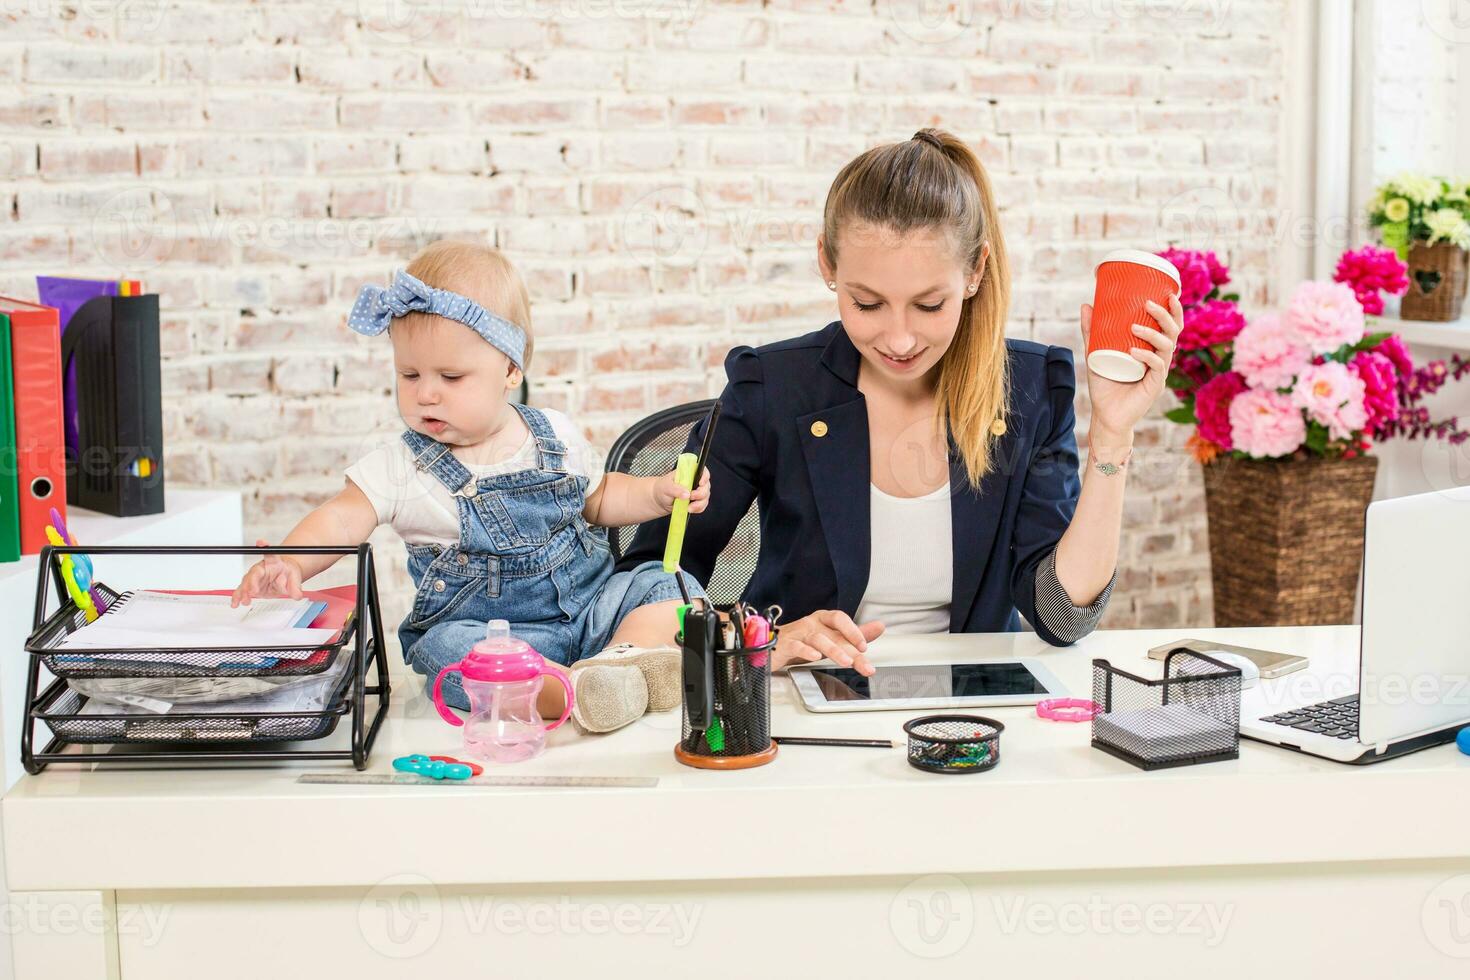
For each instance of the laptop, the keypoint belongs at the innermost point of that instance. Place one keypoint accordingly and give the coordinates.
(1411, 686)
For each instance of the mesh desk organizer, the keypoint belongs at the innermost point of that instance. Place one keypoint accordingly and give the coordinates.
(1190, 715)
(198, 737)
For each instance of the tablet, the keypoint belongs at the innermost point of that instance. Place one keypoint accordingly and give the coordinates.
(935, 687)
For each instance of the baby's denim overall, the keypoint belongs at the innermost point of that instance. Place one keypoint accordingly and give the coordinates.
(525, 554)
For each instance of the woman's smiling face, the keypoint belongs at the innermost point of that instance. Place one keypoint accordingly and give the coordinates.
(899, 296)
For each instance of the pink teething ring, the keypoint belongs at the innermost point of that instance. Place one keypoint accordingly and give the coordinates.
(1068, 709)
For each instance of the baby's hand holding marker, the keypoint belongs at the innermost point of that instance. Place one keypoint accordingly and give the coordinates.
(671, 492)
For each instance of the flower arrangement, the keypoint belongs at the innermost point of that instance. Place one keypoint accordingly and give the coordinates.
(1309, 380)
(1414, 208)
(1372, 271)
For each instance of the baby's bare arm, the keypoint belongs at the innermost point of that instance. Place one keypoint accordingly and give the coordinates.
(623, 500)
(344, 521)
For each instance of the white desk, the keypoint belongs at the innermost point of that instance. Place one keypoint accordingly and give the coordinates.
(828, 862)
(191, 517)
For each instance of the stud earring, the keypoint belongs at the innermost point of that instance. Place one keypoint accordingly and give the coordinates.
(832, 285)
(973, 287)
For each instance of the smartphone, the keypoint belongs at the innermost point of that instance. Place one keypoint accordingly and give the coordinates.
(1270, 663)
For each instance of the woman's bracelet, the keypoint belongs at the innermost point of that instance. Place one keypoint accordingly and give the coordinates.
(1107, 468)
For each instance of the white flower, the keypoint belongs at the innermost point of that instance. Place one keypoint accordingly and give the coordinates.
(1418, 188)
(1448, 225)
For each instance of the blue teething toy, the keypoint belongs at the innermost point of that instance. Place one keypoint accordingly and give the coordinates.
(1463, 740)
(422, 765)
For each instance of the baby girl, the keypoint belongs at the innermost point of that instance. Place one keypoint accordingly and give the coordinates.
(501, 506)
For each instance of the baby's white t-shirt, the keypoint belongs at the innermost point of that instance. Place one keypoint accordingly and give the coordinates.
(423, 511)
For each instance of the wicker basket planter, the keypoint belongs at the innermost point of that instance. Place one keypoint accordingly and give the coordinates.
(1286, 538)
(1438, 275)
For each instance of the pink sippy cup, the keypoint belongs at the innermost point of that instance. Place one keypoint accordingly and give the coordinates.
(501, 678)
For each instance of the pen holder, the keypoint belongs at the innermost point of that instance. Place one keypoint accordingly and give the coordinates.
(954, 743)
(739, 733)
(1190, 715)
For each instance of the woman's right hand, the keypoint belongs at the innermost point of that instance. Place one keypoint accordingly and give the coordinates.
(827, 634)
(273, 575)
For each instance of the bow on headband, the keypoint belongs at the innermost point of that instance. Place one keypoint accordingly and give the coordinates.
(377, 307)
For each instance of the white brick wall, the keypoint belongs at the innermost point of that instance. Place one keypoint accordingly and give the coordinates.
(656, 167)
(1413, 97)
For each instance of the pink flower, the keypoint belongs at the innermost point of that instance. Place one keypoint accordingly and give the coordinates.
(1325, 315)
(1393, 348)
(1265, 423)
(1212, 407)
(1332, 394)
(1194, 275)
(1266, 355)
(1369, 271)
(1219, 274)
(1380, 391)
(1214, 322)
(1193, 368)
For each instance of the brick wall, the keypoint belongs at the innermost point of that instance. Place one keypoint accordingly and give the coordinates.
(655, 167)
(1414, 52)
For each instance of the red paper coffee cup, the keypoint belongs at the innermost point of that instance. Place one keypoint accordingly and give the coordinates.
(1126, 280)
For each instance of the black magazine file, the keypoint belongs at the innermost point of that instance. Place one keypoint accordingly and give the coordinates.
(117, 465)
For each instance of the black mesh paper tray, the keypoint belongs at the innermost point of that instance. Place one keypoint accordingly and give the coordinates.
(1190, 715)
(204, 662)
(60, 713)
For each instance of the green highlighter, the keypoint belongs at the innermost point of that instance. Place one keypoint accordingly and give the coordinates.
(679, 519)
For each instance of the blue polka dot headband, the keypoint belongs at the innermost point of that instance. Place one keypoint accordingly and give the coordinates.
(377, 307)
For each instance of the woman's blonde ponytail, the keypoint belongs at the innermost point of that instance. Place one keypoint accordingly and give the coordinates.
(935, 181)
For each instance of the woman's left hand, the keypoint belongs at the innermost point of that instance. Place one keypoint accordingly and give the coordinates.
(1117, 406)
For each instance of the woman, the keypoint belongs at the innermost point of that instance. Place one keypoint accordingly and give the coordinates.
(917, 471)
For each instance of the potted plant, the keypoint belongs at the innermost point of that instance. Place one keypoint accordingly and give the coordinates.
(1286, 407)
(1424, 220)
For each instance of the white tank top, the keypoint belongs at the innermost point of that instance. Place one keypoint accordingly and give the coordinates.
(911, 570)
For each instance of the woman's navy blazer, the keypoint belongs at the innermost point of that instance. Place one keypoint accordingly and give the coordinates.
(793, 435)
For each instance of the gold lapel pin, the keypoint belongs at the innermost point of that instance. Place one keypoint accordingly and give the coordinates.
(998, 427)
(819, 428)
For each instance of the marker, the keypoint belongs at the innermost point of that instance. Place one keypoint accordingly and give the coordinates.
(679, 519)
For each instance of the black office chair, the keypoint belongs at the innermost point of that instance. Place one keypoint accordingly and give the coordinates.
(651, 447)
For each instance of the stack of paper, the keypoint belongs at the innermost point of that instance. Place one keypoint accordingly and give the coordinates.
(160, 621)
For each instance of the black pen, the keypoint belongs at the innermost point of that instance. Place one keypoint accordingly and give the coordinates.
(709, 436)
(873, 743)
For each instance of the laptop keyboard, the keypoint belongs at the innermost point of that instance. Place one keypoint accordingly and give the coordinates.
(1337, 718)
